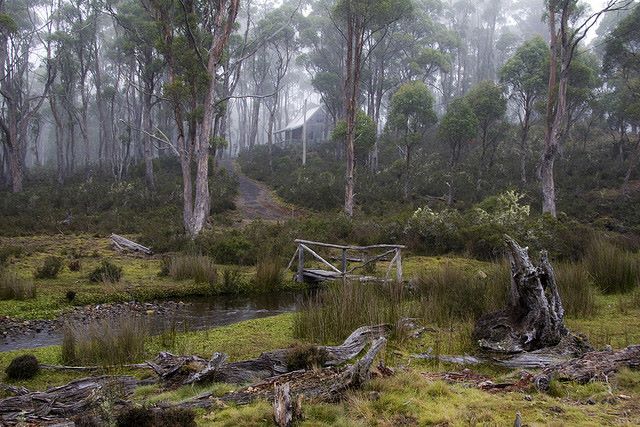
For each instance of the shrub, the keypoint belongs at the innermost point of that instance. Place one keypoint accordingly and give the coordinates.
(50, 268)
(200, 268)
(269, 274)
(70, 295)
(145, 417)
(8, 251)
(23, 367)
(576, 289)
(106, 342)
(14, 287)
(74, 265)
(613, 269)
(176, 417)
(306, 357)
(106, 272)
(228, 248)
(136, 417)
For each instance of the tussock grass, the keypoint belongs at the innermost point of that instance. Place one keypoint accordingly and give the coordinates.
(269, 274)
(331, 314)
(200, 268)
(451, 294)
(13, 287)
(578, 294)
(613, 269)
(105, 342)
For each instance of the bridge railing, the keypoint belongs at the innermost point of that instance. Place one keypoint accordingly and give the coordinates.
(344, 269)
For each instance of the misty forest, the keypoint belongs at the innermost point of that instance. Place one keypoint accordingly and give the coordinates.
(319, 212)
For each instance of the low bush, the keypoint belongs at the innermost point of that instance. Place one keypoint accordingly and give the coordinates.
(200, 268)
(231, 247)
(8, 251)
(105, 342)
(306, 357)
(176, 417)
(70, 295)
(578, 294)
(136, 416)
(23, 367)
(74, 265)
(613, 269)
(13, 287)
(145, 417)
(106, 272)
(49, 269)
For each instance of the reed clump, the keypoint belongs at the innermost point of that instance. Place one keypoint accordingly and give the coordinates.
(105, 342)
(613, 269)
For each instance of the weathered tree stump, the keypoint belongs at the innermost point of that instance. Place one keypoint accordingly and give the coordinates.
(534, 318)
(286, 410)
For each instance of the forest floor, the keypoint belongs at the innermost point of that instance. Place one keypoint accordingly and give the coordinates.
(256, 201)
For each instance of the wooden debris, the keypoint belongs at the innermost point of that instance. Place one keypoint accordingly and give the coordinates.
(172, 369)
(123, 244)
(59, 403)
(595, 365)
(286, 410)
(321, 385)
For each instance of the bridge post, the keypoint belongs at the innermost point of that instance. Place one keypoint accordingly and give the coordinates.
(344, 262)
(399, 265)
(300, 275)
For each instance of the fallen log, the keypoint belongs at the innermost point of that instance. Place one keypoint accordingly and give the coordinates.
(534, 316)
(182, 370)
(60, 403)
(595, 365)
(320, 385)
(123, 244)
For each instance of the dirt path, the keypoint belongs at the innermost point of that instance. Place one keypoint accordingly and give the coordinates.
(255, 200)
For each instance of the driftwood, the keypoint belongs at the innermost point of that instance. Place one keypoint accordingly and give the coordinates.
(123, 244)
(534, 317)
(321, 385)
(181, 370)
(595, 365)
(65, 401)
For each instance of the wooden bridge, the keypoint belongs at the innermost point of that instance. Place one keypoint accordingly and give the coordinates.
(348, 264)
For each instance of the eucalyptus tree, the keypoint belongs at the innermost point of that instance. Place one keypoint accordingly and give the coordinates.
(457, 128)
(24, 44)
(622, 65)
(194, 39)
(411, 115)
(138, 39)
(358, 21)
(524, 74)
(569, 23)
(278, 29)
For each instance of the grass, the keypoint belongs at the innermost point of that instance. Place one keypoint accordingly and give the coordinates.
(332, 314)
(13, 287)
(576, 288)
(269, 274)
(105, 343)
(140, 276)
(451, 293)
(199, 268)
(613, 269)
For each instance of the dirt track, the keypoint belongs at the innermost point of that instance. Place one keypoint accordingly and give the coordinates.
(254, 200)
